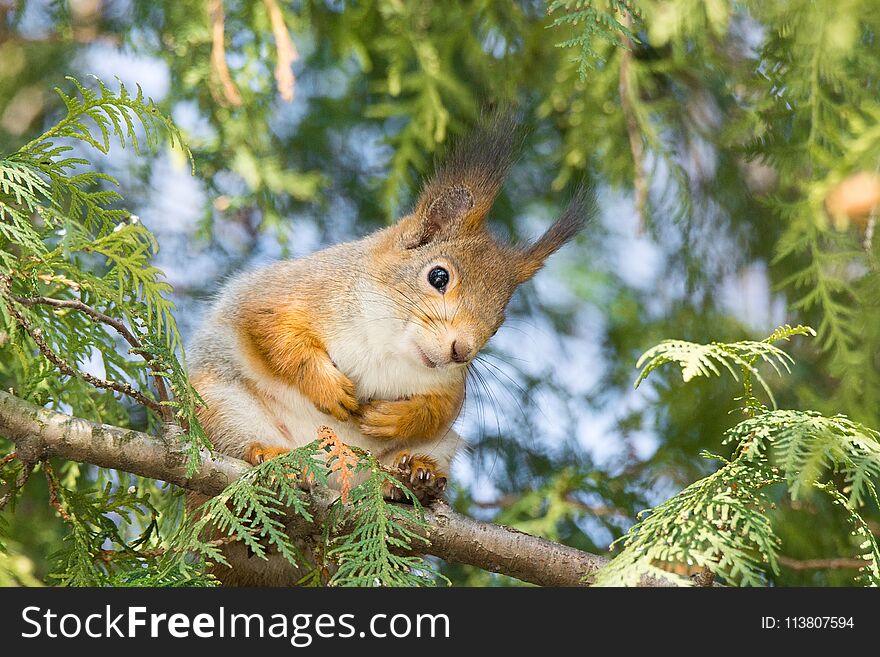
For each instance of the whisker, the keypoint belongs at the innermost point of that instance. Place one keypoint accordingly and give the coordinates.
(409, 305)
(495, 368)
(496, 411)
(514, 328)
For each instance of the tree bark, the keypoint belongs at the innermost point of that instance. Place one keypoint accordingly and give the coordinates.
(40, 433)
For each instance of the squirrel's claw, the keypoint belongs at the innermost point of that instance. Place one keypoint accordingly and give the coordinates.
(258, 453)
(421, 475)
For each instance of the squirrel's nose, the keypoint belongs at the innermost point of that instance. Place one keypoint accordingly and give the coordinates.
(461, 350)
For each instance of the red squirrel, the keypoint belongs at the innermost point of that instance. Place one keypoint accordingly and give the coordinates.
(373, 337)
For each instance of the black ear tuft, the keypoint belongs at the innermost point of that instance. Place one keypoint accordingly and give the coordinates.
(579, 210)
(463, 188)
(480, 161)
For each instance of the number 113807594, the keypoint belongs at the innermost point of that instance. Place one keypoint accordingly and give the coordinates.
(807, 623)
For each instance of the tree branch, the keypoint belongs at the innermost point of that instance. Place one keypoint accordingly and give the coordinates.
(835, 563)
(123, 388)
(285, 51)
(627, 88)
(19, 482)
(40, 433)
(218, 53)
(8, 299)
(136, 346)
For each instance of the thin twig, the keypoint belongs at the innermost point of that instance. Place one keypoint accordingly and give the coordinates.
(37, 336)
(218, 53)
(6, 459)
(569, 498)
(88, 310)
(54, 500)
(285, 51)
(20, 481)
(840, 563)
(119, 326)
(626, 89)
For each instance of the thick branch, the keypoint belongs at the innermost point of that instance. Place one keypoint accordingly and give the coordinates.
(40, 433)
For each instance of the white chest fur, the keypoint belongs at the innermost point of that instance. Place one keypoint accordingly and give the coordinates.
(376, 351)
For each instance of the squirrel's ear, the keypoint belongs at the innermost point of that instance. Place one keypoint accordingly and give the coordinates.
(464, 187)
(573, 219)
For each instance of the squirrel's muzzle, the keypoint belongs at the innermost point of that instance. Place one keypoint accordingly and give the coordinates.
(461, 350)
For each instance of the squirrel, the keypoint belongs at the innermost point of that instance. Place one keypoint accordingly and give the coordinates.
(373, 337)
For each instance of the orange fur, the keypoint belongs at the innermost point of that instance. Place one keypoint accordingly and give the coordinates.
(257, 453)
(416, 417)
(283, 342)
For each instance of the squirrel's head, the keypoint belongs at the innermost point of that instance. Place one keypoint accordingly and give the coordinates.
(450, 279)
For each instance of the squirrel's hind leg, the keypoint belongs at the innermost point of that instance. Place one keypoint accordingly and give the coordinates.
(257, 453)
(422, 467)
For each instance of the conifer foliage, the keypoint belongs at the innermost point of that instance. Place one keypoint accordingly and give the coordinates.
(722, 523)
(739, 136)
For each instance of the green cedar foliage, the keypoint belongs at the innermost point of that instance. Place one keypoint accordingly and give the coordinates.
(722, 523)
(747, 113)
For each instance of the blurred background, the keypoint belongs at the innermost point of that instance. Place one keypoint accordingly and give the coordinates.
(714, 134)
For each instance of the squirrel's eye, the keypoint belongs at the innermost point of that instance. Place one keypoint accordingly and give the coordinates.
(438, 278)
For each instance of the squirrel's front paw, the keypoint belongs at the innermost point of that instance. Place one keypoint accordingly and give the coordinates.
(389, 419)
(333, 394)
(420, 474)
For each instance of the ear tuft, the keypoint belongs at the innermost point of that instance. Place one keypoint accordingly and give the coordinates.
(579, 210)
(465, 185)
